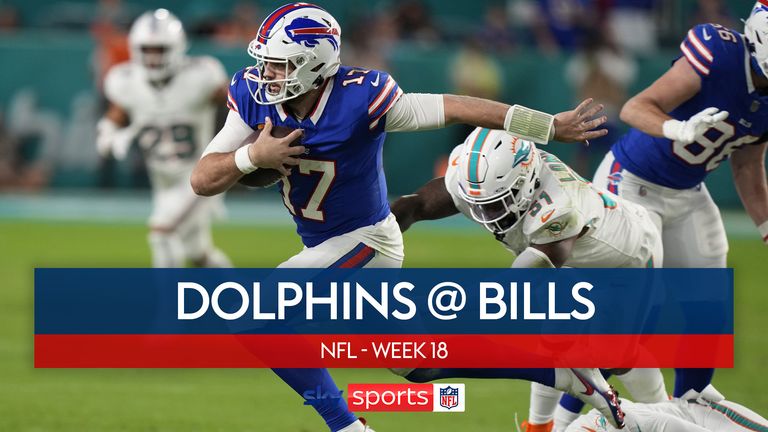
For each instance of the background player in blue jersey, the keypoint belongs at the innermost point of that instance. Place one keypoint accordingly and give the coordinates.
(335, 189)
(712, 104)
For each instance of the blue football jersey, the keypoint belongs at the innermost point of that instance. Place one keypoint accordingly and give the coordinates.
(339, 185)
(721, 58)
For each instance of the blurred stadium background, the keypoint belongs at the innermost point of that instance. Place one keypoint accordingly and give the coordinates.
(61, 205)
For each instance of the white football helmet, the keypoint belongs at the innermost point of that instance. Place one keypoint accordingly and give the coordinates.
(756, 32)
(158, 43)
(302, 38)
(498, 174)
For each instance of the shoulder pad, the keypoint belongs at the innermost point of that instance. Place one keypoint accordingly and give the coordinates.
(239, 98)
(382, 91)
(552, 215)
(711, 47)
(556, 227)
(117, 83)
(216, 74)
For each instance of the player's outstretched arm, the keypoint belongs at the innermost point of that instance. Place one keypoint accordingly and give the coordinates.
(432, 201)
(550, 255)
(225, 161)
(577, 125)
(748, 165)
(647, 111)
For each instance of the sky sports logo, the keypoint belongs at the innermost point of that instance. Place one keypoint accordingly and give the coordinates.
(407, 397)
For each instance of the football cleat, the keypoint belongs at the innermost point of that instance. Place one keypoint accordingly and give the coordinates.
(589, 386)
(359, 426)
(546, 427)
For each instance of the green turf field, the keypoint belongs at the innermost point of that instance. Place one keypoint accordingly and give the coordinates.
(255, 400)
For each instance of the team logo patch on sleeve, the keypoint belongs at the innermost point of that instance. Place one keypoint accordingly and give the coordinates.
(556, 228)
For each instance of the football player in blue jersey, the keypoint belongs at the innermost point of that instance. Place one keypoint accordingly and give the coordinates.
(711, 105)
(333, 185)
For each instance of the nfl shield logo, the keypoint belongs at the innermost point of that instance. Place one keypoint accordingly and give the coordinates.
(449, 397)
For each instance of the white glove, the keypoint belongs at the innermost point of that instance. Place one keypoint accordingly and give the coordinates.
(111, 139)
(763, 228)
(692, 129)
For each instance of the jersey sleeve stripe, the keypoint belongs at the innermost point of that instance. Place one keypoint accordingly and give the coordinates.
(693, 60)
(381, 96)
(386, 101)
(231, 104)
(394, 99)
(700, 47)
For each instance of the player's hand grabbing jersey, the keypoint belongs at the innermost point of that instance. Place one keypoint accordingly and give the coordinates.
(721, 59)
(172, 124)
(339, 185)
(613, 232)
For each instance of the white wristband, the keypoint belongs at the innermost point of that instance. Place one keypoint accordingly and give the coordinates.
(243, 160)
(530, 124)
(672, 128)
(763, 228)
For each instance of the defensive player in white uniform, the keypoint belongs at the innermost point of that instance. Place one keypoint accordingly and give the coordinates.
(536, 206)
(548, 216)
(704, 412)
(166, 102)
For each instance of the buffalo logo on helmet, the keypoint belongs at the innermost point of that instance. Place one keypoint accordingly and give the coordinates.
(309, 32)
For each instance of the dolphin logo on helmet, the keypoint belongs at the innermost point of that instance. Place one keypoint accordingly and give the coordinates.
(522, 154)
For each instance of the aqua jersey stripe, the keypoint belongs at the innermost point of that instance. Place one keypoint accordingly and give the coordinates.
(474, 155)
(738, 418)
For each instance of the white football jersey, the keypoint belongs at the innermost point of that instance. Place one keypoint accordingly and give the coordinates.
(676, 415)
(171, 124)
(612, 232)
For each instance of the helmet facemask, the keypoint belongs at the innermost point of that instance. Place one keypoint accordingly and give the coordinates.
(278, 90)
(503, 212)
(296, 50)
(157, 60)
(497, 177)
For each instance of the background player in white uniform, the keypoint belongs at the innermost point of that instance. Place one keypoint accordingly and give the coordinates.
(705, 412)
(166, 103)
